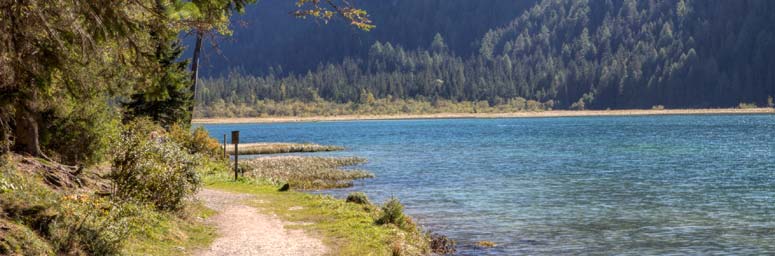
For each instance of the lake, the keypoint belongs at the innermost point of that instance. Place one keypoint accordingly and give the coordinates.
(588, 185)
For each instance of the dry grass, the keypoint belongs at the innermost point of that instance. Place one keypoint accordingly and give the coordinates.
(306, 172)
(280, 148)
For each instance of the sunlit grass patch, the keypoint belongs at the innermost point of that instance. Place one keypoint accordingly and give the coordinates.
(306, 172)
(347, 228)
(280, 148)
(167, 234)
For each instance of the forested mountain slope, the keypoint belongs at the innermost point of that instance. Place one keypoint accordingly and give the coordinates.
(577, 54)
(268, 36)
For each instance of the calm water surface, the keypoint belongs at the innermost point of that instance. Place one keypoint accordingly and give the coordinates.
(549, 186)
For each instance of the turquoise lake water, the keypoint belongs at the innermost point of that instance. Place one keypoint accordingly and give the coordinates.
(568, 186)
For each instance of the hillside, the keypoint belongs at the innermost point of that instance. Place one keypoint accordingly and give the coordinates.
(571, 54)
(267, 36)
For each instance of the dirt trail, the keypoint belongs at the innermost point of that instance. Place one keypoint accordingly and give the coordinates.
(244, 231)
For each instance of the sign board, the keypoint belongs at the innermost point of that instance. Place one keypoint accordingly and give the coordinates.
(234, 137)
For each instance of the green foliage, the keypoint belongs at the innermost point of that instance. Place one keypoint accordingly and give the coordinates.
(358, 198)
(196, 142)
(168, 100)
(72, 224)
(91, 225)
(392, 213)
(346, 228)
(625, 55)
(20, 240)
(145, 164)
(386, 106)
(36, 219)
(82, 135)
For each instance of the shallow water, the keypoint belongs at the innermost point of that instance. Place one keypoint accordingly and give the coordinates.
(549, 186)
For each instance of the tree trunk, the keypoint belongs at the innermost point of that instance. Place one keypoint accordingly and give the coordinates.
(26, 133)
(195, 71)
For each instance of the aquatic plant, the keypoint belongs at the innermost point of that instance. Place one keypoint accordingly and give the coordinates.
(306, 172)
(280, 148)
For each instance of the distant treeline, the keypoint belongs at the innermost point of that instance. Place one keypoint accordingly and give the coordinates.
(573, 54)
(266, 36)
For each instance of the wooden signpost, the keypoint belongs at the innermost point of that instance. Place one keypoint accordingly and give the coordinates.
(235, 141)
(225, 156)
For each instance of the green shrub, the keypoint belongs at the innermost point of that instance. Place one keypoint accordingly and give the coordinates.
(392, 213)
(358, 198)
(93, 226)
(148, 167)
(83, 135)
(196, 142)
(73, 224)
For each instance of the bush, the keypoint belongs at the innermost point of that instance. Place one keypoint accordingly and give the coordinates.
(196, 142)
(392, 213)
(70, 224)
(93, 226)
(149, 167)
(770, 102)
(83, 135)
(358, 198)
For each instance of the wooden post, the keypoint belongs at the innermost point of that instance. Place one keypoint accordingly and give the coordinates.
(225, 156)
(235, 140)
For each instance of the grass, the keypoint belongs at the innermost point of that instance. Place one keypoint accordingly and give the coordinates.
(347, 228)
(39, 218)
(166, 234)
(306, 172)
(280, 148)
(16, 239)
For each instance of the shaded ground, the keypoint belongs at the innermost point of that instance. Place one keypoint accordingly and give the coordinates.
(244, 231)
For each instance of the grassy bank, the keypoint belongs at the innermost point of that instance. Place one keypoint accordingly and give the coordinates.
(280, 148)
(346, 228)
(522, 114)
(351, 227)
(47, 210)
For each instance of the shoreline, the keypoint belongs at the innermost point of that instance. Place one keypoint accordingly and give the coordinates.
(526, 114)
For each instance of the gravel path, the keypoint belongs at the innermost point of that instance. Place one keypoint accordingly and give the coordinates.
(244, 231)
